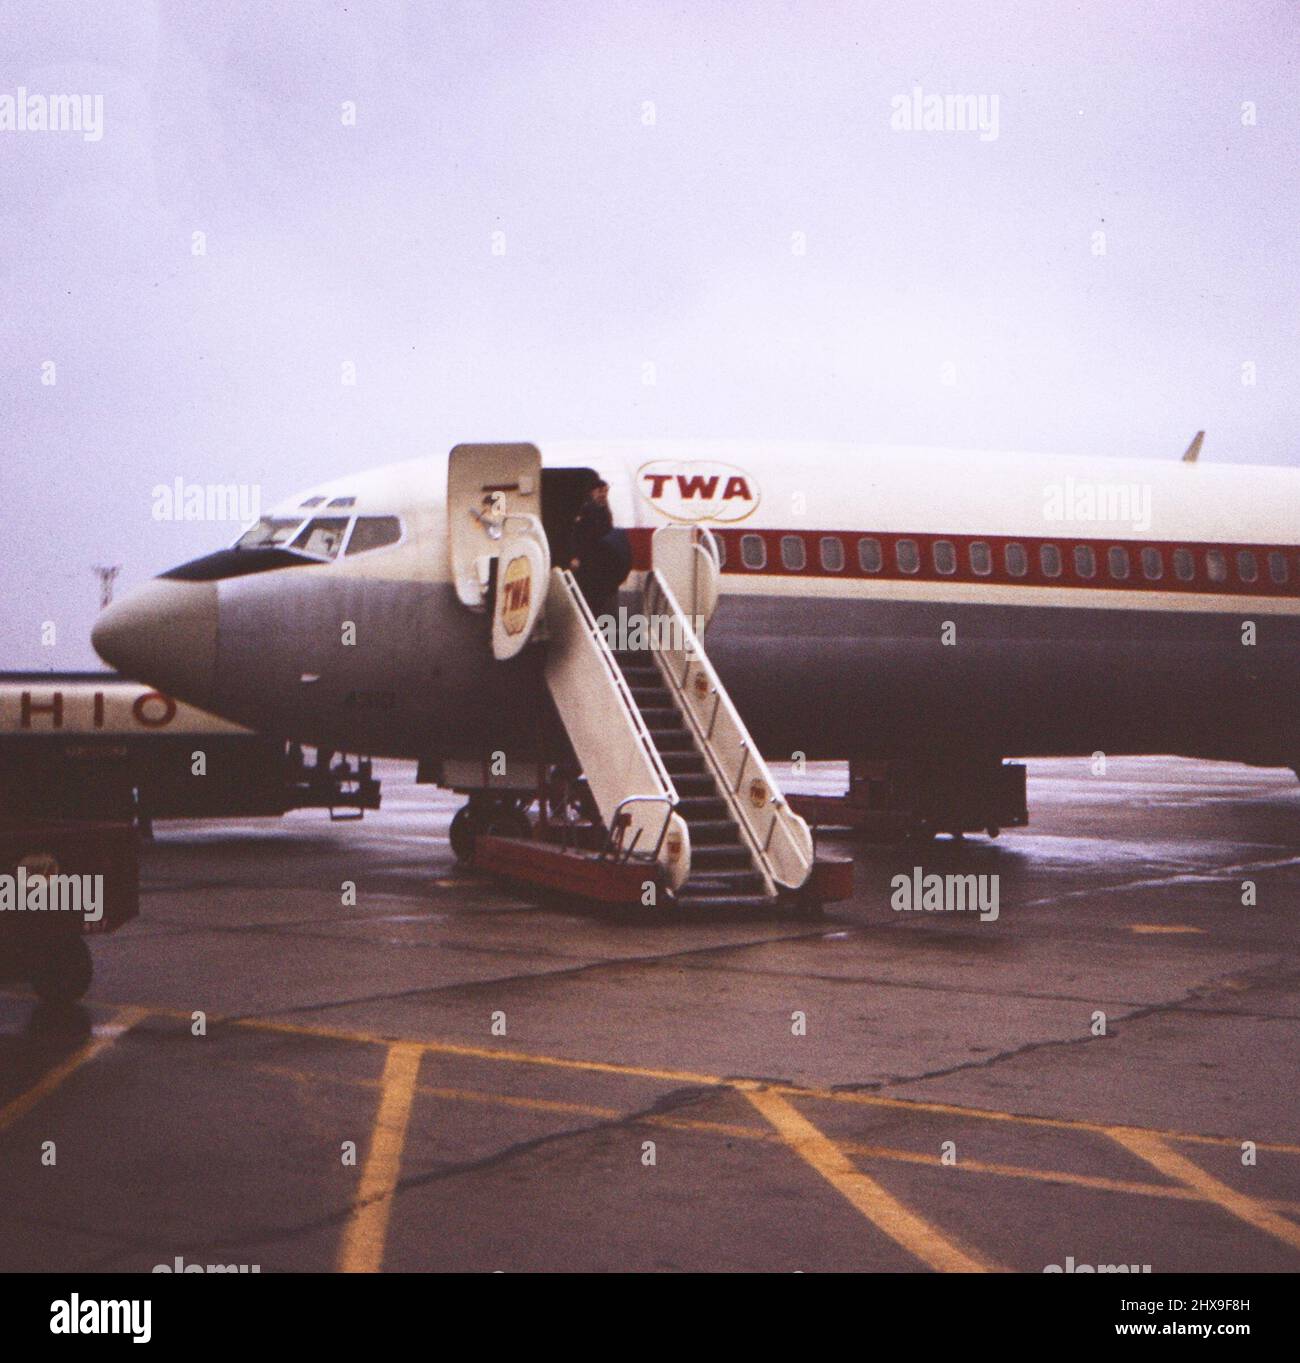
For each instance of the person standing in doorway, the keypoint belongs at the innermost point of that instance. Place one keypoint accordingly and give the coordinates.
(598, 560)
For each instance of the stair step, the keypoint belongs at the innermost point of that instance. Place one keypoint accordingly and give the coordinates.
(713, 831)
(724, 901)
(672, 740)
(653, 696)
(659, 718)
(701, 807)
(720, 882)
(691, 784)
(709, 859)
(688, 763)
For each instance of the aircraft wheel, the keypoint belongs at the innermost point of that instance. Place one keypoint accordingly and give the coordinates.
(464, 828)
(63, 974)
(993, 830)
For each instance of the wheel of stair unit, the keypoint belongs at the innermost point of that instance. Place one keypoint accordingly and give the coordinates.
(464, 829)
(509, 823)
(63, 974)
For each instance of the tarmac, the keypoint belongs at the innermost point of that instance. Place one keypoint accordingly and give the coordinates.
(447, 1075)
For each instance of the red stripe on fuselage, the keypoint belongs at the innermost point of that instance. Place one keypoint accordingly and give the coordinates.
(1200, 581)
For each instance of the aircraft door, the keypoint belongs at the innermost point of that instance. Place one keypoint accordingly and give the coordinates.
(523, 570)
(486, 485)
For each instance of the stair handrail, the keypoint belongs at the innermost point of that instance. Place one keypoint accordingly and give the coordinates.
(776, 870)
(619, 681)
(699, 561)
(669, 806)
(656, 774)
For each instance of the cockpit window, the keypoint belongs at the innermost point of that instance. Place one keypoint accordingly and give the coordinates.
(343, 501)
(373, 532)
(269, 533)
(322, 537)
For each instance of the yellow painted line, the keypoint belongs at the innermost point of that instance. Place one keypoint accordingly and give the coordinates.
(102, 1037)
(880, 1207)
(1021, 1119)
(1178, 1167)
(1094, 1182)
(362, 1248)
(1166, 929)
(496, 1053)
(717, 1081)
(709, 1080)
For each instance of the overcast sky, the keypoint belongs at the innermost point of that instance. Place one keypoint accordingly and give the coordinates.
(712, 189)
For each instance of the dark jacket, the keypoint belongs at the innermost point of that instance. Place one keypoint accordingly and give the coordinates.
(596, 564)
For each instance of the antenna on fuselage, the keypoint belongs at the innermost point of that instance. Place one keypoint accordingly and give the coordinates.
(1190, 453)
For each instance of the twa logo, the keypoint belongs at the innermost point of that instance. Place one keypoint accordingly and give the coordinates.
(698, 491)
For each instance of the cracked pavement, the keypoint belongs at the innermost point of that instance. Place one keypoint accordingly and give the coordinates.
(652, 1103)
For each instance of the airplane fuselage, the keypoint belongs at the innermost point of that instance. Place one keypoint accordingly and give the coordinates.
(876, 602)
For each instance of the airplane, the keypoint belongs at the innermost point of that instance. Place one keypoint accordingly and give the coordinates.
(940, 608)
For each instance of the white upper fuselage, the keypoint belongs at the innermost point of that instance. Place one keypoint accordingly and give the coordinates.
(842, 566)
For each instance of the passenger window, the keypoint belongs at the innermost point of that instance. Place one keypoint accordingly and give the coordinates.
(1118, 560)
(869, 555)
(1049, 560)
(907, 556)
(945, 557)
(981, 559)
(1016, 560)
(832, 554)
(1216, 566)
(1277, 567)
(753, 552)
(1153, 566)
(793, 554)
(373, 532)
(1085, 561)
(1247, 565)
(323, 537)
(1184, 565)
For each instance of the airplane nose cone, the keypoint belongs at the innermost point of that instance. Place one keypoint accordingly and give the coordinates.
(165, 634)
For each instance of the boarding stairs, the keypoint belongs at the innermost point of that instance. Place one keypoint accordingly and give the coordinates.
(675, 774)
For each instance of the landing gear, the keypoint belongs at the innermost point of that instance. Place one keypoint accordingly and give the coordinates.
(463, 832)
(62, 973)
(503, 818)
